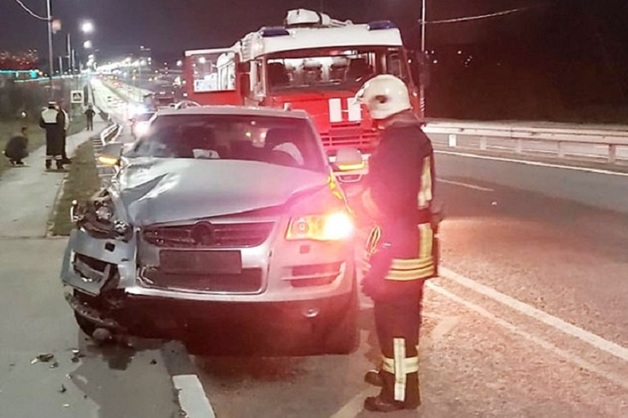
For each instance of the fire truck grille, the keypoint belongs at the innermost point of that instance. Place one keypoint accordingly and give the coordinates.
(350, 136)
(209, 236)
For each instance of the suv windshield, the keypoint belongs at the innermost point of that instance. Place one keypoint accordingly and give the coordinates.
(332, 68)
(283, 141)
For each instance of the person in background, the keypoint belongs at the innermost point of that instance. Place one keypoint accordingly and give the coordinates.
(66, 127)
(53, 122)
(17, 148)
(89, 117)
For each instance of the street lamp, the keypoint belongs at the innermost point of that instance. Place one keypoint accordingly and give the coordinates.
(87, 44)
(87, 27)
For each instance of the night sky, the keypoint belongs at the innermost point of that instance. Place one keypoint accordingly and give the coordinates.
(175, 25)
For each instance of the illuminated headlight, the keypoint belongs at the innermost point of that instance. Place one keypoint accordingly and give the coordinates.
(141, 128)
(335, 226)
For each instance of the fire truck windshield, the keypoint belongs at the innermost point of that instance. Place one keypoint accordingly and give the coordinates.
(332, 69)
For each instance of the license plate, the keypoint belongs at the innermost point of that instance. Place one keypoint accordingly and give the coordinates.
(200, 262)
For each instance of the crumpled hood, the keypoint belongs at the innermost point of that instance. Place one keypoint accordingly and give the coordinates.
(167, 190)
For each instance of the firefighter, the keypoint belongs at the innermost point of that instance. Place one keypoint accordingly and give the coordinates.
(53, 122)
(401, 249)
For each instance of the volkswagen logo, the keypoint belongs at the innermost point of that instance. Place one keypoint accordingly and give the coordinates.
(202, 233)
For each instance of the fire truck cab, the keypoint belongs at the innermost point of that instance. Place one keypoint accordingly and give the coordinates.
(313, 63)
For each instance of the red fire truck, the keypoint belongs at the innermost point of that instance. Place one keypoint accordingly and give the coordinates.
(313, 63)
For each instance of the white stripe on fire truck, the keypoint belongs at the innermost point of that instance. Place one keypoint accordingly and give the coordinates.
(355, 111)
(335, 110)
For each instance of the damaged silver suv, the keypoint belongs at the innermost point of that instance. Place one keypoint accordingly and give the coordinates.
(222, 226)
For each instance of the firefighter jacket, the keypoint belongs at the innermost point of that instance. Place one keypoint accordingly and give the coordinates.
(401, 249)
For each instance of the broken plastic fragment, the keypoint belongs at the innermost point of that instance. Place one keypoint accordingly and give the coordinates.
(45, 357)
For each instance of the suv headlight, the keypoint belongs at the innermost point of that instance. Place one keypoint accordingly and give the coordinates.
(334, 226)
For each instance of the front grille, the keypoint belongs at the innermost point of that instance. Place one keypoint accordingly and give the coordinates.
(208, 235)
(349, 136)
(248, 281)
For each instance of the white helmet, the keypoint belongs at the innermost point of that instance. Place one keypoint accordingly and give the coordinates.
(384, 95)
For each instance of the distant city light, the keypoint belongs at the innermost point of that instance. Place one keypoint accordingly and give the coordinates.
(87, 44)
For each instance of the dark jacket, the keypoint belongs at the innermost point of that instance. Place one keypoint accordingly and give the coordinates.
(401, 172)
(17, 148)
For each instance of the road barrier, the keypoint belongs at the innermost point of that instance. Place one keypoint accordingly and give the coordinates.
(564, 141)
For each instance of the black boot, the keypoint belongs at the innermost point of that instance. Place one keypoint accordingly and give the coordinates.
(372, 377)
(60, 165)
(48, 164)
(378, 404)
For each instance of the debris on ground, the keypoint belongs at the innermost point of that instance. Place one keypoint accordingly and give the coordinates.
(77, 356)
(44, 358)
(63, 389)
(153, 362)
(54, 365)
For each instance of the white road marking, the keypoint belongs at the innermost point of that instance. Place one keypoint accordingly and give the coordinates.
(554, 322)
(534, 163)
(192, 397)
(467, 185)
(618, 380)
(443, 328)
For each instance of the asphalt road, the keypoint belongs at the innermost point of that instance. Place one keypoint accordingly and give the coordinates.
(528, 320)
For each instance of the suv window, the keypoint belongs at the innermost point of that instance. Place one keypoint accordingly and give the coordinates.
(273, 140)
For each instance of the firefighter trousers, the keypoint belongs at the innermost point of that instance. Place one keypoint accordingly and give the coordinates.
(397, 324)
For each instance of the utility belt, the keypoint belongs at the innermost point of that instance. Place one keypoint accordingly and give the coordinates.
(402, 254)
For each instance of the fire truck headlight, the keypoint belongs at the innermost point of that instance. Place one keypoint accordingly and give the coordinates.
(141, 128)
(334, 226)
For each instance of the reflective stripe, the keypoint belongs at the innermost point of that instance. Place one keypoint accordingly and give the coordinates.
(405, 264)
(425, 194)
(399, 346)
(335, 110)
(411, 365)
(406, 276)
(426, 235)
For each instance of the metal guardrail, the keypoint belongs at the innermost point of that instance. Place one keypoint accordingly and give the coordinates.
(484, 135)
(110, 133)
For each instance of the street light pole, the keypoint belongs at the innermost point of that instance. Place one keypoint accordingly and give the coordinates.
(70, 62)
(50, 56)
(423, 63)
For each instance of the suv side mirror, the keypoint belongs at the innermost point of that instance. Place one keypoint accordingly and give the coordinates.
(111, 153)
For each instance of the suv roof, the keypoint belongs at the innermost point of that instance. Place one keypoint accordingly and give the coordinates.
(235, 110)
